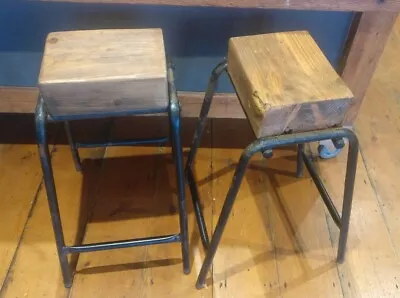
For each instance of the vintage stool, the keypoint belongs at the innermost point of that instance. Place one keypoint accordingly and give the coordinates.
(291, 95)
(107, 73)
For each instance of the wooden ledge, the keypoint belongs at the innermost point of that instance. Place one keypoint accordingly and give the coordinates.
(22, 100)
(336, 5)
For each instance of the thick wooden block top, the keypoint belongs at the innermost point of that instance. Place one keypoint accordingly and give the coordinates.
(95, 55)
(103, 70)
(286, 70)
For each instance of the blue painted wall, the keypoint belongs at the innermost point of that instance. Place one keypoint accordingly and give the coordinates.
(196, 38)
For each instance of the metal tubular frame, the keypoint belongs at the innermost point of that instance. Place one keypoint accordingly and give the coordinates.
(41, 119)
(205, 108)
(123, 244)
(261, 145)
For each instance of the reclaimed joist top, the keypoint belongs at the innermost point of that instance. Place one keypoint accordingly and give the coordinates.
(104, 69)
(95, 55)
(276, 74)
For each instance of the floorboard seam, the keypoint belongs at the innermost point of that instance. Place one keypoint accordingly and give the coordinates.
(7, 277)
(379, 201)
(29, 216)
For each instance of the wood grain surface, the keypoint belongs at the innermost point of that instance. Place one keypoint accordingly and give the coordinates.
(18, 99)
(17, 162)
(373, 30)
(37, 247)
(293, 252)
(104, 71)
(285, 83)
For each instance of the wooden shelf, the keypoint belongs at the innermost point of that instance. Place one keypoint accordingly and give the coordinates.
(18, 99)
(337, 5)
(23, 100)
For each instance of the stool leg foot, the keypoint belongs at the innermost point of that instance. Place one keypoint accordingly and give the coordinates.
(351, 169)
(174, 116)
(40, 119)
(223, 218)
(74, 149)
(300, 163)
(205, 108)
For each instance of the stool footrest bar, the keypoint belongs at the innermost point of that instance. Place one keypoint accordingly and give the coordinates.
(322, 191)
(123, 143)
(122, 244)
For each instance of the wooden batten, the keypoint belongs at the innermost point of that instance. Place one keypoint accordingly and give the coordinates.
(372, 32)
(341, 5)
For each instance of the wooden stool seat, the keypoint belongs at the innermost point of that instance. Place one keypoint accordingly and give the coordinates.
(286, 84)
(104, 71)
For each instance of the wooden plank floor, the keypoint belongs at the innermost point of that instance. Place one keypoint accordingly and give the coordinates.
(279, 242)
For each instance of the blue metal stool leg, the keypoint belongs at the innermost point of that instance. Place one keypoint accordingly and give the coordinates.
(205, 108)
(74, 148)
(40, 119)
(174, 116)
(218, 70)
(351, 169)
(300, 163)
